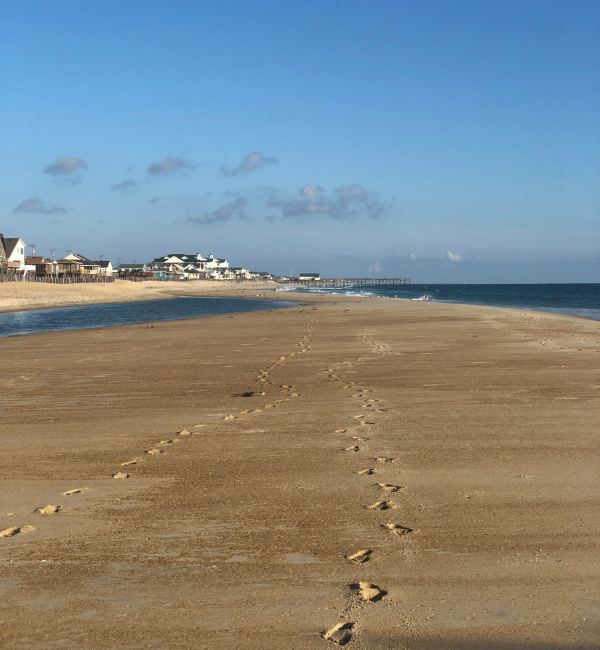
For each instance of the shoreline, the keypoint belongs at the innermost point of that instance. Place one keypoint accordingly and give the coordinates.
(53, 296)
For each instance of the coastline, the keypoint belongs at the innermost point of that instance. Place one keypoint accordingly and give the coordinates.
(23, 296)
(484, 418)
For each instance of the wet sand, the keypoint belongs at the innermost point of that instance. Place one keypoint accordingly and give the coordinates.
(478, 512)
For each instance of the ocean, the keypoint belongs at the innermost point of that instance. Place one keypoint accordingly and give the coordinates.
(127, 313)
(574, 299)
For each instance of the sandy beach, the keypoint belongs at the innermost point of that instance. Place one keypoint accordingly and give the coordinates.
(381, 474)
(15, 296)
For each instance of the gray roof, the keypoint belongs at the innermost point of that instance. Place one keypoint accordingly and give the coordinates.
(10, 244)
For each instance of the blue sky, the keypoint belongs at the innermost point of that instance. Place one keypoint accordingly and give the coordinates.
(445, 141)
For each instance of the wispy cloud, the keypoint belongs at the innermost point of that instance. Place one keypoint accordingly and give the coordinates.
(156, 199)
(235, 210)
(169, 166)
(123, 186)
(250, 162)
(37, 206)
(346, 202)
(67, 167)
(452, 257)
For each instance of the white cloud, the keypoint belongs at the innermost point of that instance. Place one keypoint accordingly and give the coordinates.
(250, 162)
(65, 165)
(453, 257)
(37, 206)
(412, 256)
(224, 213)
(123, 186)
(345, 202)
(169, 166)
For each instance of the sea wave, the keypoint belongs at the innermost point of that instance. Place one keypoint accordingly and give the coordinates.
(572, 299)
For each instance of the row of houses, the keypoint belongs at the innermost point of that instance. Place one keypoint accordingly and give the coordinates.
(192, 266)
(14, 261)
(175, 266)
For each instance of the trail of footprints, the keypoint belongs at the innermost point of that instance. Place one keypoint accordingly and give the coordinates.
(264, 377)
(362, 592)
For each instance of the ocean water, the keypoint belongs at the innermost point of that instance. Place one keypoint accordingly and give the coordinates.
(126, 313)
(575, 299)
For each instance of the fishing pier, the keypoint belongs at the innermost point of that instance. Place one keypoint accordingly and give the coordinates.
(346, 282)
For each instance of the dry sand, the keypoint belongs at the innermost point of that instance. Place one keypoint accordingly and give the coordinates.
(15, 296)
(237, 536)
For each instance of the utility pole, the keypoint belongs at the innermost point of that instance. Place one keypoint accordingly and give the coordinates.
(54, 266)
(32, 249)
(101, 256)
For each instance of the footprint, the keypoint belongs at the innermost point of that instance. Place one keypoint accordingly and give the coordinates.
(197, 426)
(246, 411)
(360, 556)
(355, 448)
(339, 633)
(385, 459)
(268, 406)
(367, 471)
(185, 432)
(48, 510)
(70, 493)
(230, 417)
(120, 475)
(15, 530)
(341, 430)
(169, 442)
(358, 417)
(359, 439)
(370, 592)
(135, 461)
(382, 505)
(390, 488)
(294, 395)
(396, 529)
(154, 452)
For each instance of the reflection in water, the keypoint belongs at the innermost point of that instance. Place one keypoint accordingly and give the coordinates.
(71, 318)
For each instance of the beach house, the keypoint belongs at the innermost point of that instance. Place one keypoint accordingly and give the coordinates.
(12, 254)
(193, 265)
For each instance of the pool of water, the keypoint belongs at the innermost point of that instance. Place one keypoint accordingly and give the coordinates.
(127, 313)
